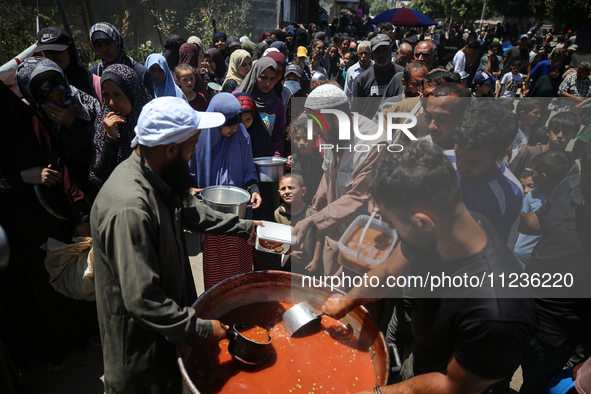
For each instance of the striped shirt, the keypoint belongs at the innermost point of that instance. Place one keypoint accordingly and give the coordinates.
(498, 197)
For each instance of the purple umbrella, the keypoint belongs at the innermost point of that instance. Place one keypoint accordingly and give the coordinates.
(403, 17)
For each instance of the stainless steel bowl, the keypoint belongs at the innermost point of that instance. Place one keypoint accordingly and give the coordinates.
(226, 199)
(270, 168)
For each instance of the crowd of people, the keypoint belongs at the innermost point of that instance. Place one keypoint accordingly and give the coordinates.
(500, 182)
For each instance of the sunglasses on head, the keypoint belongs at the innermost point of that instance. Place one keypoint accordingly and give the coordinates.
(234, 120)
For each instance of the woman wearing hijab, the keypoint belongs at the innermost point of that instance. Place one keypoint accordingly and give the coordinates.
(214, 67)
(301, 39)
(37, 322)
(171, 50)
(68, 114)
(124, 97)
(260, 142)
(240, 66)
(249, 47)
(260, 83)
(162, 77)
(547, 86)
(108, 43)
(197, 41)
(281, 47)
(189, 54)
(334, 71)
(223, 157)
(281, 65)
(220, 43)
(260, 48)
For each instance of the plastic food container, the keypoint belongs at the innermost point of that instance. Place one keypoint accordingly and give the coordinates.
(274, 238)
(376, 246)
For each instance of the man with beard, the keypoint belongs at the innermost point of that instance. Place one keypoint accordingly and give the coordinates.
(142, 274)
(371, 85)
(465, 339)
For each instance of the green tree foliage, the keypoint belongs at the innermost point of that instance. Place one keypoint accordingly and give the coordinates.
(432, 8)
(17, 29)
(378, 7)
(218, 15)
(557, 11)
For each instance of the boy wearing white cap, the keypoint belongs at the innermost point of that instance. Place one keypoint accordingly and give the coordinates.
(143, 280)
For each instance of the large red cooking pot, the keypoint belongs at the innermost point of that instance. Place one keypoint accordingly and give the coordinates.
(263, 286)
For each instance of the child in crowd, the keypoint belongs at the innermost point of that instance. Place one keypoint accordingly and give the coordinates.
(292, 191)
(482, 85)
(527, 182)
(528, 113)
(510, 81)
(306, 159)
(488, 188)
(538, 136)
(549, 168)
(184, 77)
(562, 128)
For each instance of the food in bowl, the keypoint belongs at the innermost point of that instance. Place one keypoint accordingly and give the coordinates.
(256, 334)
(375, 243)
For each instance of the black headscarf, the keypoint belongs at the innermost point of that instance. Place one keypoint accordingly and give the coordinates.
(171, 50)
(333, 69)
(220, 63)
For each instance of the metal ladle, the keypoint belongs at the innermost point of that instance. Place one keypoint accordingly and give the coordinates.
(300, 317)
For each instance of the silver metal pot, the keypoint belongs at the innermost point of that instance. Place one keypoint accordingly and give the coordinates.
(226, 199)
(270, 168)
(261, 286)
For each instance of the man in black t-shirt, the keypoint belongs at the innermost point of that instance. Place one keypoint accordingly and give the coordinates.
(466, 338)
(521, 53)
(374, 81)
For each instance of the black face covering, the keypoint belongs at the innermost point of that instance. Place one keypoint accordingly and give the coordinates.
(177, 175)
(44, 84)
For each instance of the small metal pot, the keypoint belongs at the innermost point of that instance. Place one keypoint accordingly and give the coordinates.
(270, 168)
(243, 349)
(226, 199)
(300, 317)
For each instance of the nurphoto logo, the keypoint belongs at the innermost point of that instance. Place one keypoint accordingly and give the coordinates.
(392, 123)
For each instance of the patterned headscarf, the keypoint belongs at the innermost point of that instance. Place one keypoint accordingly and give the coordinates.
(114, 34)
(137, 94)
(260, 139)
(38, 77)
(236, 59)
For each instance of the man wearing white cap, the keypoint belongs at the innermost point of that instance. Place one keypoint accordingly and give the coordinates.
(347, 163)
(141, 267)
